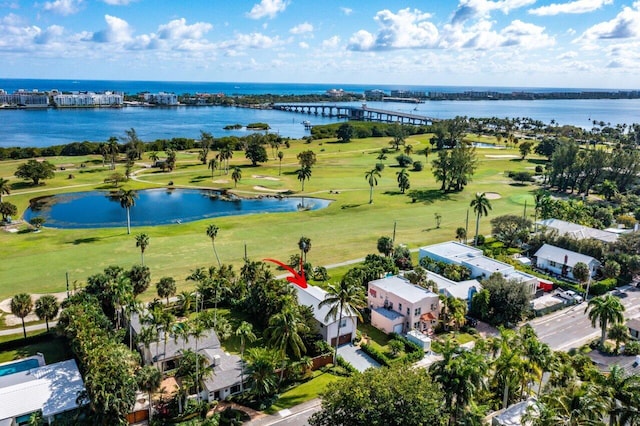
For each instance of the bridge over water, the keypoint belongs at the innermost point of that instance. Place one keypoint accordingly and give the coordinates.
(362, 113)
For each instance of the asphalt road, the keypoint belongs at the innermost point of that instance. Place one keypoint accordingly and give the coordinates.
(296, 416)
(571, 328)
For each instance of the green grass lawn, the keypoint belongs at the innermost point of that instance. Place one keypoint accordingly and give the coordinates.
(54, 350)
(347, 229)
(304, 392)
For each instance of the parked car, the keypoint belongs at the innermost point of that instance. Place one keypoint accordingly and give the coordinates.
(573, 295)
(471, 322)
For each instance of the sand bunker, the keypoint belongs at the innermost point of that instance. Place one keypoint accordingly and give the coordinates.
(265, 177)
(221, 181)
(492, 195)
(262, 188)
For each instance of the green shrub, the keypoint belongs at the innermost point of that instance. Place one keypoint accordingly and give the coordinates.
(601, 287)
(632, 348)
(418, 166)
(375, 354)
(346, 365)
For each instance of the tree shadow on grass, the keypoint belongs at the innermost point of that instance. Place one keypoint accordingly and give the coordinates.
(24, 185)
(351, 206)
(428, 196)
(394, 193)
(87, 240)
(198, 178)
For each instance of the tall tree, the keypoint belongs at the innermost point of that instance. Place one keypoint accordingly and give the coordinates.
(236, 176)
(304, 173)
(142, 241)
(140, 278)
(307, 158)
(21, 306)
(212, 232)
(280, 157)
(47, 308)
(261, 365)
(605, 310)
(481, 206)
(213, 165)
(35, 171)
(245, 332)
(343, 298)
(403, 180)
(284, 333)
(304, 244)
(5, 188)
(372, 178)
(149, 379)
(113, 149)
(206, 139)
(166, 288)
(7, 210)
(127, 198)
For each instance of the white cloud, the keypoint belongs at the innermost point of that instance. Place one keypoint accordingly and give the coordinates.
(62, 7)
(118, 31)
(178, 29)
(303, 45)
(578, 6)
(568, 55)
(50, 35)
(305, 27)
(481, 9)
(481, 36)
(346, 10)
(362, 40)
(267, 8)
(331, 43)
(405, 29)
(251, 41)
(625, 25)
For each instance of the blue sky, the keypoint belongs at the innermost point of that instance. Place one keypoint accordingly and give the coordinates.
(531, 43)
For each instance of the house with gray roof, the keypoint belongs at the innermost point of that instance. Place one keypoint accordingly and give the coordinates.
(399, 306)
(226, 377)
(579, 232)
(480, 266)
(561, 261)
(327, 326)
(634, 328)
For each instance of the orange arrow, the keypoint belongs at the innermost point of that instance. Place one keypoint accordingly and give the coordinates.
(297, 278)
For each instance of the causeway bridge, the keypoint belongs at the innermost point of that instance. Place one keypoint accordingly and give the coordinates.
(354, 113)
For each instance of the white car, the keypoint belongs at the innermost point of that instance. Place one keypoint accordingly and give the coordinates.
(573, 295)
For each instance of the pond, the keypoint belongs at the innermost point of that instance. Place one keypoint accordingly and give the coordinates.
(99, 209)
(487, 145)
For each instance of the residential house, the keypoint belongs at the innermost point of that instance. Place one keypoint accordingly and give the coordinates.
(399, 306)
(513, 414)
(50, 389)
(481, 267)
(327, 327)
(634, 328)
(463, 290)
(562, 261)
(580, 232)
(227, 368)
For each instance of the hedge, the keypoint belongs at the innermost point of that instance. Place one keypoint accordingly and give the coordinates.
(375, 354)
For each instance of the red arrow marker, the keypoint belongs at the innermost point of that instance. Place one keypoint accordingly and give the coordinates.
(297, 279)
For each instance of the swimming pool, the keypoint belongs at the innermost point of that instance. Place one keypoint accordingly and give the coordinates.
(17, 367)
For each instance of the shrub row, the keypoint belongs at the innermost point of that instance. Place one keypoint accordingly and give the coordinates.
(375, 354)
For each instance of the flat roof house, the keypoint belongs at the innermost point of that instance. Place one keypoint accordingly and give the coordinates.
(562, 261)
(399, 306)
(52, 389)
(481, 266)
(328, 328)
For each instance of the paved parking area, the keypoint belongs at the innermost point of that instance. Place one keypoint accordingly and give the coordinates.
(356, 357)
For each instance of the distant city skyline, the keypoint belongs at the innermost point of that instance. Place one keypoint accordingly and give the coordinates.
(521, 43)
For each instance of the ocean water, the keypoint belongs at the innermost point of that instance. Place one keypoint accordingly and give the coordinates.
(54, 127)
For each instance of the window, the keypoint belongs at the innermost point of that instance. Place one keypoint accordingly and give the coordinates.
(552, 263)
(391, 305)
(235, 389)
(417, 311)
(399, 307)
(343, 323)
(408, 311)
(416, 325)
(433, 306)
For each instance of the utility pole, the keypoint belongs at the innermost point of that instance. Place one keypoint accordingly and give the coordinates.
(466, 227)
(393, 240)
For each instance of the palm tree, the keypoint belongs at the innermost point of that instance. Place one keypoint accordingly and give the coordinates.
(127, 198)
(236, 176)
(403, 180)
(5, 188)
(166, 288)
(245, 332)
(304, 244)
(344, 298)
(212, 232)
(225, 154)
(149, 379)
(114, 150)
(142, 241)
(213, 165)
(304, 173)
(284, 331)
(280, 157)
(47, 308)
(461, 234)
(619, 333)
(604, 310)
(481, 206)
(153, 156)
(21, 306)
(372, 177)
(261, 370)
(185, 301)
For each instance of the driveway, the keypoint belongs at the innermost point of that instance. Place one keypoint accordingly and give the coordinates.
(356, 357)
